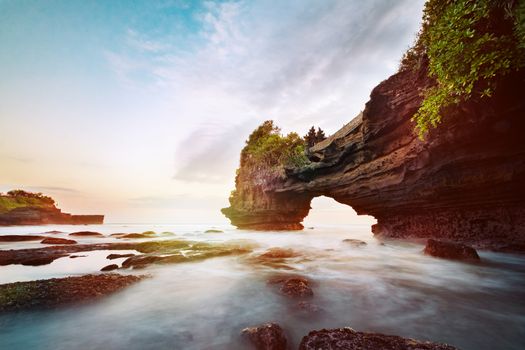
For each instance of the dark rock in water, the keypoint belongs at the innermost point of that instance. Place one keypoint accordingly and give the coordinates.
(60, 291)
(86, 234)
(293, 286)
(53, 232)
(354, 242)
(268, 336)
(20, 238)
(348, 339)
(118, 256)
(449, 250)
(38, 261)
(134, 236)
(278, 253)
(109, 267)
(308, 308)
(77, 256)
(51, 240)
(213, 231)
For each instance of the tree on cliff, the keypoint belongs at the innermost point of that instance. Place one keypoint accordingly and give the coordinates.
(469, 45)
(314, 137)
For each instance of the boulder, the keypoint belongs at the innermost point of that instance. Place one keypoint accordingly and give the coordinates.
(348, 339)
(450, 250)
(268, 336)
(51, 240)
(109, 267)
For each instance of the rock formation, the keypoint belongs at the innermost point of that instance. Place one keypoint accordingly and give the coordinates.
(463, 182)
(25, 208)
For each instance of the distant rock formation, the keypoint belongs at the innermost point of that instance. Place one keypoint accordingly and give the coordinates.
(26, 208)
(464, 182)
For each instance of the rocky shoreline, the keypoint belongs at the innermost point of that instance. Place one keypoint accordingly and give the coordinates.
(55, 292)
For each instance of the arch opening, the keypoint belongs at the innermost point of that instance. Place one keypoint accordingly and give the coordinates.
(327, 211)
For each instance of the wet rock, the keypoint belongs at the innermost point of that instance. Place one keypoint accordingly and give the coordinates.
(279, 253)
(53, 232)
(118, 256)
(348, 339)
(449, 250)
(297, 287)
(77, 256)
(213, 231)
(86, 234)
(268, 336)
(308, 308)
(55, 292)
(51, 240)
(109, 267)
(20, 238)
(354, 242)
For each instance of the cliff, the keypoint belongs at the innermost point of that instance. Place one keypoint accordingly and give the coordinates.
(464, 181)
(25, 208)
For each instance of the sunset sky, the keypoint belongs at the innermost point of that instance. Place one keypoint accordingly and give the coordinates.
(138, 109)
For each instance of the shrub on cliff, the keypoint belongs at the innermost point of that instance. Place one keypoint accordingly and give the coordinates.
(19, 198)
(268, 150)
(469, 44)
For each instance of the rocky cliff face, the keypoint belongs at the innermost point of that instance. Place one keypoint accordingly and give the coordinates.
(465, 181)
(46, 215)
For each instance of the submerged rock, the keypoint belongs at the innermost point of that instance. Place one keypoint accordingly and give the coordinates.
(52, 240)
(279, 253)
(293, 286)
(348, 339)
(268, 336)
(355, 242)
(86, 234)
(55, 292)
(133, 235)
(118, 256)
(20, 238)
(109, 267)
(77, 256)
(449, 250)
(213, 231)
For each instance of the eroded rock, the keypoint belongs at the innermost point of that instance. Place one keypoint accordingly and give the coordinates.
(348, 339)
(268, 336)
(450, 250)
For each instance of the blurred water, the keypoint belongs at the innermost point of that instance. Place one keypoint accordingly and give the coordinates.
(388, 287)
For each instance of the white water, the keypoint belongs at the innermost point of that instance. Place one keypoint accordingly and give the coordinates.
(391, 288)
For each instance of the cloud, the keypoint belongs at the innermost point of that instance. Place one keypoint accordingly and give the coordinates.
(300, 63)
(210, 153)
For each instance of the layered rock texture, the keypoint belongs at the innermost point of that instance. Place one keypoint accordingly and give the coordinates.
(464, 182)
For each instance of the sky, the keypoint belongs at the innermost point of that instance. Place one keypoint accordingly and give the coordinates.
(139, 109)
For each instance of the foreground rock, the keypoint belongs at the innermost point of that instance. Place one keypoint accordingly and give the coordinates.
(52, 240)
(463, 182)
(269, 336)
(449, 250)
(348, 339)
(55, 292)
(20, 238)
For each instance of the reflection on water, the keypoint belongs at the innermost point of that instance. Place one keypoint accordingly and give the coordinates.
(390, 288)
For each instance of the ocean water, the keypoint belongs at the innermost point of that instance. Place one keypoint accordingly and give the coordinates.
(385, 286)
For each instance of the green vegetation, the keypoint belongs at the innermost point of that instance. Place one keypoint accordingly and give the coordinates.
(19, 198)
(469, 44)
(267, 150)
